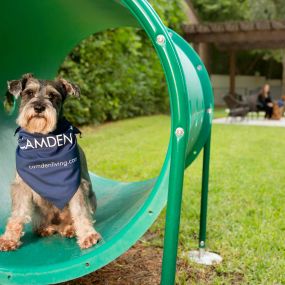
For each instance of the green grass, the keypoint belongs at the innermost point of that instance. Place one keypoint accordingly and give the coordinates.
(246, 222)
(220, 112)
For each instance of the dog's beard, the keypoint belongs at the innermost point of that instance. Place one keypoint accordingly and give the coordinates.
(42, 123)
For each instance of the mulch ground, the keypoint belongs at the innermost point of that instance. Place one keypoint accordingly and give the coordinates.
(141, 265)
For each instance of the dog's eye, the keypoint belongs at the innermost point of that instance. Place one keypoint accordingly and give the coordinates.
(30, 93)
(51, 95)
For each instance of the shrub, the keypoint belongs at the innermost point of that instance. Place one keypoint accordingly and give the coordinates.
(119, 73)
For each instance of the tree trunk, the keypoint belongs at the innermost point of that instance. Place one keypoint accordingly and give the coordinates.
(232, 72)
(283, 74)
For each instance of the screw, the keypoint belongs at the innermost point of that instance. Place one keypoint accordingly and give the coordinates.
(199, 67)
(160, 39)
(179, 132)
(202, 243)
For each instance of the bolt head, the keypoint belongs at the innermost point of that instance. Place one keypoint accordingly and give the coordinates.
(160, 39)
(179, 132)
(199, 67)
(202, 243)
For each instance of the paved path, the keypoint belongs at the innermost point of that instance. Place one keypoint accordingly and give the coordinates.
(250, 122)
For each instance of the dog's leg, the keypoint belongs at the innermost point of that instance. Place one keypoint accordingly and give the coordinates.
(41, 224)
(66, 226)
(82, 219)
(45, 216)
(21, 213)
(67, 231)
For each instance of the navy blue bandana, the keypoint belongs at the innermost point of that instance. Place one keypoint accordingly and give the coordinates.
(50, 164)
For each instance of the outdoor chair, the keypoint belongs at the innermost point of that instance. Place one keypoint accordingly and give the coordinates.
(237, 108)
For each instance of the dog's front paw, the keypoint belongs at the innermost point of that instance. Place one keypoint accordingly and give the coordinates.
(46, 231)
(89, 241)
(8, 245)
(68, 231)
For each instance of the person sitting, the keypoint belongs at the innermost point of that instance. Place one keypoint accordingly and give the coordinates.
(264, 101)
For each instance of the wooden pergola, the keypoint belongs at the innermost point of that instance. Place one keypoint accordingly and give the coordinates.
(235, 36)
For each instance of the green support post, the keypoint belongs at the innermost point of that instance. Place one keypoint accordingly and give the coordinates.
(202, 256)
(173, 209)
(204, 195)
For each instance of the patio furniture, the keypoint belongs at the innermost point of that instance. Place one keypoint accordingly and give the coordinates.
(237, 108)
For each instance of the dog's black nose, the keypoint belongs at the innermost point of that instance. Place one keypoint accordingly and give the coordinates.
(39, 108)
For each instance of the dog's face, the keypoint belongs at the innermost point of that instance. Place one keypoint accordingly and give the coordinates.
(41, 102)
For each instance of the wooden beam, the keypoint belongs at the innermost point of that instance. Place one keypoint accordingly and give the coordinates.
(283, 74)
(232, 27)
(246, 26)
(277, 25)
(263, 25)
(232, 62)
(250, 46)
(236, 37)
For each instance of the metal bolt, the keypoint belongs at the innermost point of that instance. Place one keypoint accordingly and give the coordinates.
(209, 110)
(179, 132)
(202, 243)
(199, 67)
(160, 39)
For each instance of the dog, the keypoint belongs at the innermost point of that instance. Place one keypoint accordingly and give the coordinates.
(70, 215)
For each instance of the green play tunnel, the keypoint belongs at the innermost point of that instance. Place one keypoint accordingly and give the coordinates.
(35, 37)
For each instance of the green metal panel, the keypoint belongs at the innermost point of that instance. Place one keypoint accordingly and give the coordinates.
(36, 36)
(200, 108)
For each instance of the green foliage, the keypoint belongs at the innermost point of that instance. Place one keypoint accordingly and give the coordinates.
(266, 10)
(220, 10)
(119, 73)
(230, 10)
(171, 12)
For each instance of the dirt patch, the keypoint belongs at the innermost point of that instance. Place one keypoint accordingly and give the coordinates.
(141, 265)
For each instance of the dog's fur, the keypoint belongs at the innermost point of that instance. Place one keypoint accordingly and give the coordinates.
(40, 109)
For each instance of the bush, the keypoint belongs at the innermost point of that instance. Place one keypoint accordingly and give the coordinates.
(119, 73)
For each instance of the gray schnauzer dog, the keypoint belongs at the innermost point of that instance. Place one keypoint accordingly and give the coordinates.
(40, 111)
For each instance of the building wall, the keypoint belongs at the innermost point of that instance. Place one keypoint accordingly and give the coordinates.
(245, 85)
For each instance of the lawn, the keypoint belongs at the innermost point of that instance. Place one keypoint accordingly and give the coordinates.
(246, 204)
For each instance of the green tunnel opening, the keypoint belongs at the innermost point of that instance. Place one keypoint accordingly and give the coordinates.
(37, 39)
(40, 49)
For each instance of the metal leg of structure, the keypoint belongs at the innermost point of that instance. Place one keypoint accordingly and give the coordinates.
(173, 209)
(202, 256)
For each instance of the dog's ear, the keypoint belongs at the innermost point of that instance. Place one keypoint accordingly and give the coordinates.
(71, 88)
(15, 87)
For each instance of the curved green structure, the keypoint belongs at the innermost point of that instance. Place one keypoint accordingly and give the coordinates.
(36, 36)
